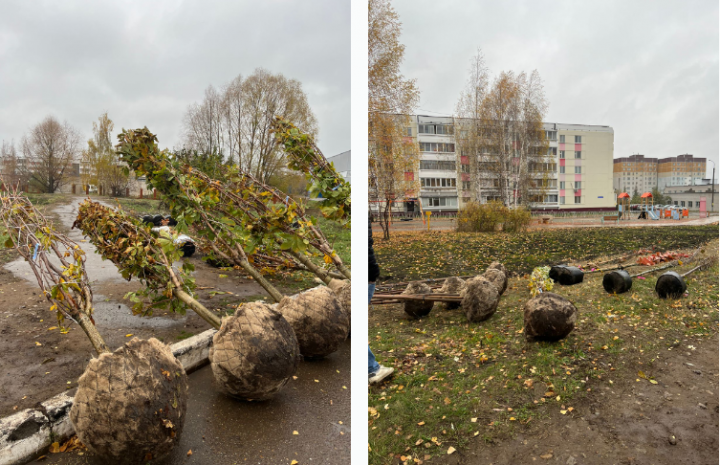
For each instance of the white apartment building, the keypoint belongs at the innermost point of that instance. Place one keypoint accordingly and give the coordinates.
(580, 176)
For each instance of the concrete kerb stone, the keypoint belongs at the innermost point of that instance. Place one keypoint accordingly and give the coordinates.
(26, 434)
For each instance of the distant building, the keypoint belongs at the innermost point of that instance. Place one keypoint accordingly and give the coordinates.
(683, 170)
(341, 162)
(635, 173)
(689, 196)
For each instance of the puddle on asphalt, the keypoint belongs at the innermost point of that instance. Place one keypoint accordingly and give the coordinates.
(117, 315)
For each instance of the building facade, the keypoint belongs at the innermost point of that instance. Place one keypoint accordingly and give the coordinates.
(578, 174)
(682, 170)
(689, 196)
(635, 173)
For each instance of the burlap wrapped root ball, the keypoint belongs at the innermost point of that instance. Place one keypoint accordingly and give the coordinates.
(452, 285)
(341, 288)
(320, 324)
(130, 404)
(418, 308)
(500, 267)
(497, 278)
(480, 299)
(254, 353)
(549, 317)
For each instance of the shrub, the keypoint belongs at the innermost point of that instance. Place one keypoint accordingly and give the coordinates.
(475, 217)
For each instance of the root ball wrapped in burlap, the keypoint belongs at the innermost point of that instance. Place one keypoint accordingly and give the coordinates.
(480, 299)
(319, 322)
(130, 404)
(341, 288)
(418, 308)
(452, 285)
(254, 353)
(497, 278)
(549, 317)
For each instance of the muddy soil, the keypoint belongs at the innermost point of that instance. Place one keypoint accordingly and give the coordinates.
(38, 362)
(631, 422)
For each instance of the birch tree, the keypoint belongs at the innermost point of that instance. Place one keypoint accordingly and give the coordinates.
(393, 157)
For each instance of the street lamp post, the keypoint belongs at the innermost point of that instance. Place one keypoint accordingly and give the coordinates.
(712, 187)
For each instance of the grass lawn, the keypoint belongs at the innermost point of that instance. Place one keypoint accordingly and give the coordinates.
(421, 255)
(456, 381)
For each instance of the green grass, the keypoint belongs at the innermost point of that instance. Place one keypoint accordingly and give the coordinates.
(450, 372)
(411, 256)
(140, 207)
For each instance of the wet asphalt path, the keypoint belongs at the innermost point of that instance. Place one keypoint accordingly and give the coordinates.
(223, 431)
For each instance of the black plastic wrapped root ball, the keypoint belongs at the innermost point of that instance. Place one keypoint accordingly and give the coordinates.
(254, 353)
(566, 275)
(480, 299)
(670, 285)
(617, 282)
(418, 308)
(130, 404)
(451, 285)
(319, 322)
(549, 317)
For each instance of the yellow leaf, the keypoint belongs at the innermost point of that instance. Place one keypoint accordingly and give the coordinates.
(38, 344)
(222, 276)
(51, 328)
(642, 375)
(451, 449)
(294, 462)
(295, 433)
(652, 381)
(54, 447)
(128, 335)
(421, 423)
(327, 259)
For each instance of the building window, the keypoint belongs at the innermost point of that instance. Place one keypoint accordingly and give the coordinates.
(562, 169)
(577, 199)
(408, 132)
(682, 203)
(578, 184)
(578, 154)
(562, 184)
(435, 129)
(552, 198)
(438, 182)
(465, 168)
(562, 138)
(466, 185)
(552, 151)
(439, 201)
(437, 165)
(697, 204)
(562, 200)
(437, 147)
(578, 170)
(562, 154)
(578, 139)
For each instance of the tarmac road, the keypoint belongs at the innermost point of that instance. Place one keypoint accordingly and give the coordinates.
(222, 431)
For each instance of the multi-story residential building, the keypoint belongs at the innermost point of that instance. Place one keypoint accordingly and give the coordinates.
(577, 175)
(682, 170)
(642, 174)
(635, 173)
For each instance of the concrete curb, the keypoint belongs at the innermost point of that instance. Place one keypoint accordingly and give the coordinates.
(26, 434)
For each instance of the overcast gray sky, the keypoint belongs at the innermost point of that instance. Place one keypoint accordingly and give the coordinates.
(145, 62)
(649, 69)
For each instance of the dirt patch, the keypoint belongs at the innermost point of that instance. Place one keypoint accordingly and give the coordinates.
(631, 422)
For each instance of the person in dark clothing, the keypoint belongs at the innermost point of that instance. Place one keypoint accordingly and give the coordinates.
(376, 372)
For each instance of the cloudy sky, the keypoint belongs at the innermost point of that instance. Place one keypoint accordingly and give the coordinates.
(145, 62)
(649, 69)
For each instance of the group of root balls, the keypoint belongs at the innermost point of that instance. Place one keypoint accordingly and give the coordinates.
(547, 316)
(130, 405)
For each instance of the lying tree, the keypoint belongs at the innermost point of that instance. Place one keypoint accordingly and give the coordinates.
(304, 156)
(147, 255)
(130, 404)
(244, 364)
(234, 217)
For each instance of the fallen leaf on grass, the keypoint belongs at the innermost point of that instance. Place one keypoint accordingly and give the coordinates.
(451, 449)
(421, 423)
(189, 452)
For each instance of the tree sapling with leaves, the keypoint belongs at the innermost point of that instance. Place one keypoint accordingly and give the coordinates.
(130, 404)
